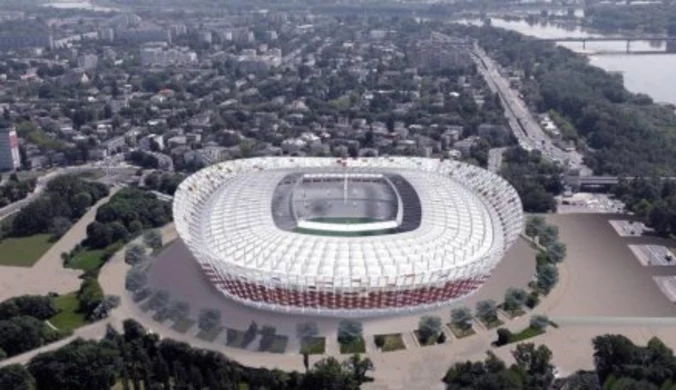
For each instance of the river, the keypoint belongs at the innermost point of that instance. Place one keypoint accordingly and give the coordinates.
(652, 74)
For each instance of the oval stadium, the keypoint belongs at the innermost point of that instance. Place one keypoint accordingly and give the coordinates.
(347, 237)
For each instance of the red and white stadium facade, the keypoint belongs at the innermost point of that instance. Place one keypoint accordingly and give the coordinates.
(470, 217)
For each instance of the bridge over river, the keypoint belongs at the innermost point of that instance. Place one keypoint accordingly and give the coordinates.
(670, 41)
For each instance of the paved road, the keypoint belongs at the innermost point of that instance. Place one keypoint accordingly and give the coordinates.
(526, 128)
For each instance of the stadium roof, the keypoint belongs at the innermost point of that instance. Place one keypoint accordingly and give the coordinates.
(229, 221)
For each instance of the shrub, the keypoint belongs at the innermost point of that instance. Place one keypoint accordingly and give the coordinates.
(514, 299)
(441, 338)
(349, 331)
(136, 279)
(533, 299)
(179, 310)
(428, 327)
(250, 334)
(153, 239)
(487, 310)
(90, 295)
(539, 322)
(461, 317)
(135, 254)
(159, 300)
(504, 336)
(209, 319)
(307, 330)
(379, 340)
(142, 294)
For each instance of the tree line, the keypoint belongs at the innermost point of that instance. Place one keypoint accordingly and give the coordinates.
(619, 132)
(126, 215)
(65, 199)
(535, 179)
(15, 189)
(138, 359)
(652, 200)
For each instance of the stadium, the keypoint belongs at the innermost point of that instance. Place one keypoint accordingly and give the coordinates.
(346, 237)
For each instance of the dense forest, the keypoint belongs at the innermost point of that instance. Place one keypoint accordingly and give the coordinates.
(65, 199)
(533, 177)
(619, 132)
(652, 200)
(15, 189)
(137, 359)
(22, 325)
(128, 213)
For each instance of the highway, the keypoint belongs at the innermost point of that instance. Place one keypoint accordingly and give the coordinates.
(526, 128)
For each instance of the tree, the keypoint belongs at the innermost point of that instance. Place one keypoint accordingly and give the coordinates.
(80, 365)
(429, 327)
(535, 225)
(136, 279)
(536, 363)
(487, 311)
(547, 277)
(81, 202)
(349, 331)
(99, 235)
(557, 251)
(539, 322)
(514, 299)
(159, 300)
(38, 306)
(209, 319)
(118, 232)
(20, 334)
(135, 254)
(90, 295)
(16, 377)
(504, 337)
(359, 367)
(461, 317)
(307, 330)
(548, 235)
(179, 310)
(59, 226)
(153, 239)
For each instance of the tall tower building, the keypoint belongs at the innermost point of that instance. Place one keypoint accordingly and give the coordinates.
(9, 150)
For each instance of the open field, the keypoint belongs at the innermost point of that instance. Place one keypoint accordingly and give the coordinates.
(68, 318)
(24, 251)
(605, 277)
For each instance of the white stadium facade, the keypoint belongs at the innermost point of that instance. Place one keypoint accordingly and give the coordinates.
(347, 237)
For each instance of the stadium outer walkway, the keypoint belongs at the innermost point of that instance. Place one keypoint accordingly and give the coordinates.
(413, 368)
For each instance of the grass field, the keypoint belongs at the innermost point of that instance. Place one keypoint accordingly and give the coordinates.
(357, 346)
(344, 234)
(68, 317)
(24, 251)
(92, 259)
(392, 342)
(314, 346)
(525, 334)
(344, 220)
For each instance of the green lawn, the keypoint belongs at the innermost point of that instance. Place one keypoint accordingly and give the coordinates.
(393, 342)
(68, 317)
(314, 346)
(92, 259)
(357, 346)
(345, 220)
(328, 233)
(24, 251)
(525, 334)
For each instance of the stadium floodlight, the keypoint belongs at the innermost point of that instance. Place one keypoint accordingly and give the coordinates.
(347, 237)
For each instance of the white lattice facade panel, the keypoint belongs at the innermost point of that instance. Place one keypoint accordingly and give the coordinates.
(465, 219)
